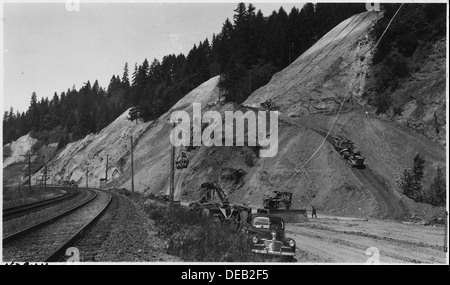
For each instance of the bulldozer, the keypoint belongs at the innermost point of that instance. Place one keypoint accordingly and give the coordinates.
(279, 204)
(282, 200)
(269, 105)
(356, 159)
(222, 210)
(348, 151)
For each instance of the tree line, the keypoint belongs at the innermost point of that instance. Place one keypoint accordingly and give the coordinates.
(416, 27)
(66, 117)
(411, 184)
(247, 51)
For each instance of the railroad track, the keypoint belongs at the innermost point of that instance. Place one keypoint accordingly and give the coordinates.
(48, 241)
(89, 243)
(15, 212)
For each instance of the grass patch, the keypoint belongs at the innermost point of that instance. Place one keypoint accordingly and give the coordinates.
(195, 238)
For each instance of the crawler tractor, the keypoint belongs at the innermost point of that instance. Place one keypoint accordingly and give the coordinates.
(348, 151)
(269, 105)
(279, 204)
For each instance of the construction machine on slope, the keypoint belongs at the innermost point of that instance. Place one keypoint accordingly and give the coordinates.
(182, 161)
(221, 210)
(269, 105)
(348, 151)
(279, 204)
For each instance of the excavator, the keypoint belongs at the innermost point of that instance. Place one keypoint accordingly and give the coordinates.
(222, 210)
(279, 204)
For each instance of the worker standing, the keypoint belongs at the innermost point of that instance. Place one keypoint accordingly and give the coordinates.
(313, 214)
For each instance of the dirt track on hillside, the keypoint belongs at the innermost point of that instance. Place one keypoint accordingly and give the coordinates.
(389, 208)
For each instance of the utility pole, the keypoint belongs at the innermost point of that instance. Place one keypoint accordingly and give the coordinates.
(445, 234)
(172, 171)
(45, 177)
(106, 174)
(87, 176)
(29, 170)
(132, 167)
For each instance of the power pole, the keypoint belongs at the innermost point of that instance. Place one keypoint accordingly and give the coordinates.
(45, 177)
(87, 176)
(29, 170)
(445, 235)
(172, 171)
(132, 167)
(106, 174)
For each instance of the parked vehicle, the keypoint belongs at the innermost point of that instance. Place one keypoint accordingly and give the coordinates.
(267, 236)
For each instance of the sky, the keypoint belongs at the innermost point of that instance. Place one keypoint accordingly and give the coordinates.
(48, 49)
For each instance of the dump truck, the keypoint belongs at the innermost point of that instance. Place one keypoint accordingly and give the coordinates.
(222, 210)
(279, 204)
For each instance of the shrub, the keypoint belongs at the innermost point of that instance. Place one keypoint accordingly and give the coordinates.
(436, 195)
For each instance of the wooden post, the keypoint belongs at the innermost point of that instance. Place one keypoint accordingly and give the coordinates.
(172, 172)
(29, 172)
(45, 177)
(87, 176)
(132, 167)
(445, 235)
(106, 174)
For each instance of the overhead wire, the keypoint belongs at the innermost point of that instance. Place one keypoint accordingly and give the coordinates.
(345, 99)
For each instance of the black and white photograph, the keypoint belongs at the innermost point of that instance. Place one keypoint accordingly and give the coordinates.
(224, 133)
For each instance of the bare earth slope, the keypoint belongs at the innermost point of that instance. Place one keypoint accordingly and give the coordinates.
(309, 93)
(151, 156)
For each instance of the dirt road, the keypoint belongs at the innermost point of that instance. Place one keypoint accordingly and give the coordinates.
(389, 207)
(346, 240)
(388, 203)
